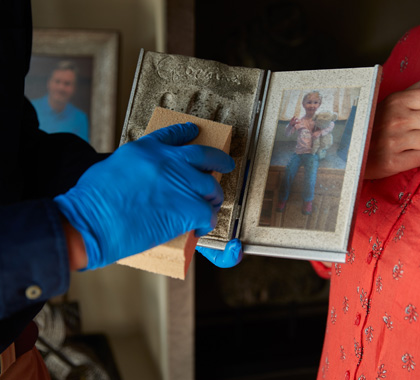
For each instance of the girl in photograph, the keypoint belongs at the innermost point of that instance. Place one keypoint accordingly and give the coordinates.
(306, 133)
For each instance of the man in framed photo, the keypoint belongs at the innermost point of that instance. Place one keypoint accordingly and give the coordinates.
(55, 111)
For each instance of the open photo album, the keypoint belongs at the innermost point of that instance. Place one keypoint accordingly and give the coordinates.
(299, 141)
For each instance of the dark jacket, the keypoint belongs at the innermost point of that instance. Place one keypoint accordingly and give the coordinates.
(34, 167)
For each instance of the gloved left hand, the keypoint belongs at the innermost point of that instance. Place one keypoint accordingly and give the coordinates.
(147, 192)
(228, 258)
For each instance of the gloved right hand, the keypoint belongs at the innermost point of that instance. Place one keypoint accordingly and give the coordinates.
(146, 193)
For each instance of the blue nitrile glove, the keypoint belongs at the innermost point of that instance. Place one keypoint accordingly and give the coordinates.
(147, 192)
(228, 258)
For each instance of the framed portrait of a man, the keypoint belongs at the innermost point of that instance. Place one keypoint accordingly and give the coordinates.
(72, 83)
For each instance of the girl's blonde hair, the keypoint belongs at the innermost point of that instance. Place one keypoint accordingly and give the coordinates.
(312, 93)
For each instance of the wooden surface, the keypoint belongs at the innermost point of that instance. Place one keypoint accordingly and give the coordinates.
(325, 204)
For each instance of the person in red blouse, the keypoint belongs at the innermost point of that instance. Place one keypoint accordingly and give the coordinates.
(373, 327)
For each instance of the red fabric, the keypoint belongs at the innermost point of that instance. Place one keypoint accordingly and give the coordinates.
(30, 366)
(373, 328)
(402, 68)
(321, 269)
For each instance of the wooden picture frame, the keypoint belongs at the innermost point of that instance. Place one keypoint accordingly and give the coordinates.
(95, 54)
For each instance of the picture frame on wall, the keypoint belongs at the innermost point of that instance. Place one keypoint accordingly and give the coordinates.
(72, 83)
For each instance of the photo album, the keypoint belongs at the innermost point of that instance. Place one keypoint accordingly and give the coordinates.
(299, 140)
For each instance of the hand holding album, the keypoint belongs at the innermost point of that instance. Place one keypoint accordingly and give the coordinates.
(228, 258)
(395, 143)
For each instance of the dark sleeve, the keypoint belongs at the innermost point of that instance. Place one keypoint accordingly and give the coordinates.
(34, 167)
(33, 253)
(54, 163)
(33, 263)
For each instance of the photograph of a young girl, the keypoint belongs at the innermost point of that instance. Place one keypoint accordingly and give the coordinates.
(309, 158)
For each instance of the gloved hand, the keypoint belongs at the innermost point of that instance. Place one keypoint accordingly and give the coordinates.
(229, 257)
(146, 193)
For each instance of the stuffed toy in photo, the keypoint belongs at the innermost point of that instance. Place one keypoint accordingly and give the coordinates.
(322, 143)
